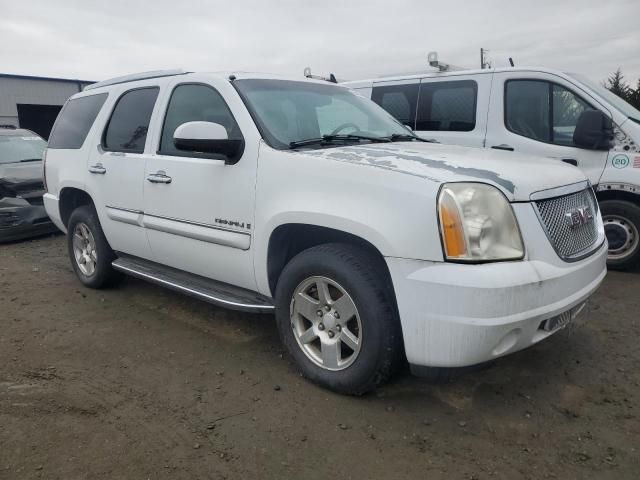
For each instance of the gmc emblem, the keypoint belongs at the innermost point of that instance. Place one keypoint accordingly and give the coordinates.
(576, 217)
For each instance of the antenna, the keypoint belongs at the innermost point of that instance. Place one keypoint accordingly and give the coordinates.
(484, 59)
(511, 62)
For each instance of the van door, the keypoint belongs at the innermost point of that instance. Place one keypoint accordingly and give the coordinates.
(116, 169)
(453, 109)
(536, 113)
(198, 209)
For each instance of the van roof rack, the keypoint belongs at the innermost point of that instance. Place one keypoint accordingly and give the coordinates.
(331, 78)
(136, 76)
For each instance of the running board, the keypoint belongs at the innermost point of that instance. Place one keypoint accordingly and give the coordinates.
(211, 291)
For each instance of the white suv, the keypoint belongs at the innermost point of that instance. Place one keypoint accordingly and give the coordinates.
(372, 246)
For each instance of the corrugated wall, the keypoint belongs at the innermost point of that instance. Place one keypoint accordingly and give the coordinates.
(31, 91)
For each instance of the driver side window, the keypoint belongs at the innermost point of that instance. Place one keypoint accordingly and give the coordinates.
(195, 102)
(543, 111)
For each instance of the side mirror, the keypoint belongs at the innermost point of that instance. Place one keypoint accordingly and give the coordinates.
(594, 131)
(207, 137)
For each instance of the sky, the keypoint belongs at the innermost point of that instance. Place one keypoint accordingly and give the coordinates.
(94, 40)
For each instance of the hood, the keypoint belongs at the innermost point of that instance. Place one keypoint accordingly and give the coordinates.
(517, 175)
(20, 178)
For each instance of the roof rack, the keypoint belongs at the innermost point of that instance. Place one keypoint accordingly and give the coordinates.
(136, 76)
(331, 78)
(10, 127)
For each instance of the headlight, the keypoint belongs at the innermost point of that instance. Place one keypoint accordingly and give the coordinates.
(477, 224)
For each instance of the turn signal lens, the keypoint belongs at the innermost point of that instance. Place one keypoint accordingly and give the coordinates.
(452, 229)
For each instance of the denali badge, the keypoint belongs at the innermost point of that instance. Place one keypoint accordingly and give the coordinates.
(578, 216)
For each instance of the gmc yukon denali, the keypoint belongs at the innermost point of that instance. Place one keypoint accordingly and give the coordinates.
(299, 197)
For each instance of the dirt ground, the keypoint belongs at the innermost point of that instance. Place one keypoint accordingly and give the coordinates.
(139, 382)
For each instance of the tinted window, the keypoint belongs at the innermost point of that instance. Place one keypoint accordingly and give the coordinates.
(398, 100)
(75, 121)
(527, 109)
(191, 103)
(541, 110)
(447, 106)
(127, 128)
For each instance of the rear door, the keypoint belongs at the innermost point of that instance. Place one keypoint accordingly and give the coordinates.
(117, 166)
(452, 109)
(536, 113)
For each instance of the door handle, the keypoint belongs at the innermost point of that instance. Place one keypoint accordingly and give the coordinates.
(509, 148)
(570, 161)
(159, 177)
(97, 168)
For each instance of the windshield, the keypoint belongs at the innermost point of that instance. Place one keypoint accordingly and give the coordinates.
(625, 108)
(18, 148)
(289, 111)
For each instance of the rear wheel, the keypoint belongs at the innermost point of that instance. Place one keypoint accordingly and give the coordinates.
(337, 318)
(90, 253)
(621, 225)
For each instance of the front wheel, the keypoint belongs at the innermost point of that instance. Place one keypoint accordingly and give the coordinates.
(621, 225)
(337, 318)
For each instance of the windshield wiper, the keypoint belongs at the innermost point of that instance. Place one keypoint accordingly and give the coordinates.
(329, 139)
(400, 137)
(31, 160)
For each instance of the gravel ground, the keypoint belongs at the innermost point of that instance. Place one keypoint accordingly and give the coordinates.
(139, 382)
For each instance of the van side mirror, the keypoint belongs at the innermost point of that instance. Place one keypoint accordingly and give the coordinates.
(594, 131)
(208, 137)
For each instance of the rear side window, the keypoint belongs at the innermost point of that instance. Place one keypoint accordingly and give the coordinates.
(129, 122)
(75, 121)
(191, 103)
(447, 106)
(399, 100)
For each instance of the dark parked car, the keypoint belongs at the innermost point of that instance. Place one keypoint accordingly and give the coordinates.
(22, 213)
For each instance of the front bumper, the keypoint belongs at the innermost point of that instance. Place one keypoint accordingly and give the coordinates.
(456, 315)
(19, 219)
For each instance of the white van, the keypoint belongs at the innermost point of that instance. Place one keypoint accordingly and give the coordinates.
(535, 111)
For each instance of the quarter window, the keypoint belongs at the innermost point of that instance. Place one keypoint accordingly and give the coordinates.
(399, 100)
(543, 111)
(75, 121)
(191, 103)
(129, 122)
(447, 106)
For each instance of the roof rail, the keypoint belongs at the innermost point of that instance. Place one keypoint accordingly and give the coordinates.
(136, 76)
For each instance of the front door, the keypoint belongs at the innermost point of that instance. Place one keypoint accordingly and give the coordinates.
(537, 115)
(199, 208)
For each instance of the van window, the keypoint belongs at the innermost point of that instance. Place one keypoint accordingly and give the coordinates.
(399, 100)
(75, 121)
(543, 111)
(447, 106)
(192, 103)
(129, 122)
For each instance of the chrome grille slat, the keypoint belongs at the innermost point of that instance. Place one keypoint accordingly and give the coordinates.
(569, 242)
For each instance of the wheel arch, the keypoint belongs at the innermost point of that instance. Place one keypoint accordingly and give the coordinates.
(289, 239)
(618, 192)
(70, 199)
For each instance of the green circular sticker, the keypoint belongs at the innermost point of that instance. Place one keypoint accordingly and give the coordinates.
(620, 161)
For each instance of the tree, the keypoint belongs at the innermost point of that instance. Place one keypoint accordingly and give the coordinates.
(616, 84)
(634, 96)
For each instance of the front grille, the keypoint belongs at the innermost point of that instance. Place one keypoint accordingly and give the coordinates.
(565, 220)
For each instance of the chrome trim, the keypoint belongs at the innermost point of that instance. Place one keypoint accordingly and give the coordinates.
(623, 187)
(190, 291)
(207, 225)
(558, 191)
(582, 254)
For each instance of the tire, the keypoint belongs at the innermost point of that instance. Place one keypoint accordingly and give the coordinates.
(622, 225)
(85, 219)
(356, 279)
